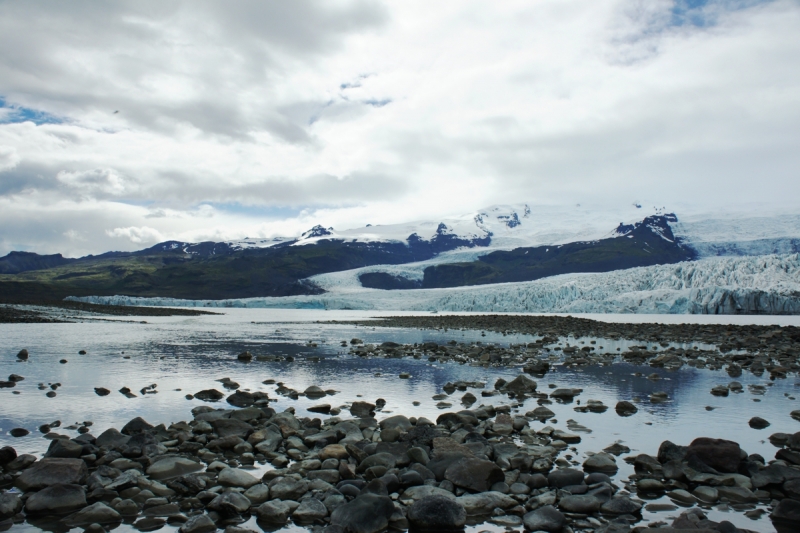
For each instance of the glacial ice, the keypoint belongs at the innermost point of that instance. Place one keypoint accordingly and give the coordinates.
(767, 284)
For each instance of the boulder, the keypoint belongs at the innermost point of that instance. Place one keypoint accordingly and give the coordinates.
(437, 513)
(209, 395)
(287, 488)
(564, 478)
(624, 408)
(362, 409)
(111, 438)
(276, 511)
(201, 523)
(368, 513)
(474, 474)
(601, 462)
(10, 504)
(97, 513)
(172, 467)
(310, 510)
(50, 471)
(227, 427)
(234, 477)
(619, 505)
(7, 454)
(64, 448)
(60, 498)
(241, 399)
(721, 455)
(229, 504)
(136, 426)
(546, 518)
(786, 516)
(485, 503)
(521, 384)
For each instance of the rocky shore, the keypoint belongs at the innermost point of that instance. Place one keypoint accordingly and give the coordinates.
(68, 312)
(362, 474)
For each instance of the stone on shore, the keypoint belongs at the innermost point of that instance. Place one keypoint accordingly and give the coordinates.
(368, 513)
(546, 518)
(172, 467)
(437, 513)
(97, 513)
(60, 498)
(50, 471)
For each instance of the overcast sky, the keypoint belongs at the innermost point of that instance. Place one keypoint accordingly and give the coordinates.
(123, 124)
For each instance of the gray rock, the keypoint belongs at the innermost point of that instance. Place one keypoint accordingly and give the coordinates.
(474, 474)
(201, 523)
(396, 422)
(624, 408)
(59, 498)
(50, 471)
(546, 518)
(437, 513)
(758, 423)
(229, 504)
(369, 513)
(706, 494)
(97, 513)
(585, 503)
(621, 505)
(276, 511)
(520, 384)
(257, 494)
(136, 426)
(288, 488)
(786, 516)
(234, 477)
(230, 427)
(7, 454)
(485, 502)
(310, 509)
(64, 448)
(127, 508)
(10, 504)
(565, 477)
(362, 409)
(172, 467)
(423, 491)
(111, 438)
(601, 462)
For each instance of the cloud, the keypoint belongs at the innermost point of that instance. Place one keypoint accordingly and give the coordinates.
(264, 118)
(140, 235)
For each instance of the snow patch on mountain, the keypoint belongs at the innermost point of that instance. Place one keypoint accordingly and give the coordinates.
(728, 285)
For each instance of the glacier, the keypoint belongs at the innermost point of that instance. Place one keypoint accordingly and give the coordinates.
(765, 284)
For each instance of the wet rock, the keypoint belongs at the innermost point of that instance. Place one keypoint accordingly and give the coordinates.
(64, 448)
(209, 395)
(234, 477)
(333, 451)
(600, 462)
(231, 427)
(23, 354)
(565, 394)
(97, 513)
(288, 488)
(240, 399)
(541, 413)
(101, 391)
(437, 513)
(474, 474)
(127, 508)
(172, 467)
(310, 510)
(565, 477)
(585, 503)
(706, 494)
(7, 454)
(257, 494)
(521, 384)
(369, 513)
(136, 426)
(546, 518)
(619, 505)
(229, 504)
(721, 455)
(324, 408)
(624, 408)
(245, 357)
(19, 432)
(485, 503)
(786, 516)
(10, 504)
(59, 498)
(276, 511)
(362, 409)
(399, 422)
(201, 523)
(51, 471)
(758, 423)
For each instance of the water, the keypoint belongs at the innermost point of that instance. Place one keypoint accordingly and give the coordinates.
(183, 355)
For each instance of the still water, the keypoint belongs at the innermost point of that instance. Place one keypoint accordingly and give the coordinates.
(183, 355)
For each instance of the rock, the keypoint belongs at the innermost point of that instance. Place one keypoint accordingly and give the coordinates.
(624, 408)
(288, 488)
(601, 462)
(310, 509)
(136, 426)
(230, 427)
(333, 451)
(18, 432)
(275, 511)
(111, 438)
(565, 395)
(541, 413)
(313, 392)
(437, 513)
(245, 357)
(97, 513)
(474, 474)
(362, 409)
(423, 491)
(681, 496)
(127, 508)
(10, 504)
(23, 354)
(485, 503)
(201, 523)
(758, 423)
(324, 408)
(369, 513)
(51, 471)
(521, 384)
(229, 504)
(257, 494)
(234, 477)
(620, 504)
(64, 448)
(396, 422)
(706, 494)
(172, 467)
(721, 455)
(240, 399)
(737, 494)
(7, 454)
(59, 498)
(786, 516)
(546, 518)
(209, 395)
(650, 485)
(585, 503)
(564, 477)
(101, 391)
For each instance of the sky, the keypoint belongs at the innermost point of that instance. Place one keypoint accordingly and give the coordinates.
(124, 124)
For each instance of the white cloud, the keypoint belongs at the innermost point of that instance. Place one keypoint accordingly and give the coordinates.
(140, 235)
(351, 112)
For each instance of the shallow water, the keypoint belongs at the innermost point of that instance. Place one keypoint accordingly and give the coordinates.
(186, 354)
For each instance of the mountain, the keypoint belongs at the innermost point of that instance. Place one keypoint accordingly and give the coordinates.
(499, 244)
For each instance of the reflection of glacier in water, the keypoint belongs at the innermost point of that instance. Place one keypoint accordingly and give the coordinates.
(187, 354)
(727, 285)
